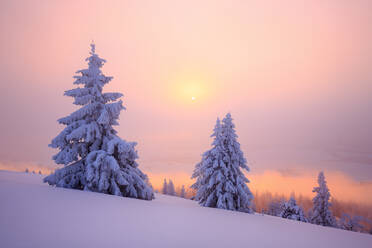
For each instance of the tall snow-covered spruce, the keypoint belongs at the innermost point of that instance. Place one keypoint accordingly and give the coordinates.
(220, 182)
(94, 157)
(321, 214)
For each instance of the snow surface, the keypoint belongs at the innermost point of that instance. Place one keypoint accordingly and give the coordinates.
(33, 214)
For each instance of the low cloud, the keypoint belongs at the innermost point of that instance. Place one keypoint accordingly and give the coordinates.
(342, 186)
(283, 182)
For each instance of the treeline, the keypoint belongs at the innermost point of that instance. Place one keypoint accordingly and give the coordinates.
(168, 188)
(352, 216)
(262, 201)
(344, 215)
(33, 172)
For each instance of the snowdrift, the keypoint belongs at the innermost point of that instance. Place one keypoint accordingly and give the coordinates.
(33, 214)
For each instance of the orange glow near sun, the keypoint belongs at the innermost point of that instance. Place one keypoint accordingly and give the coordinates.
(185, 91)
(191, 90)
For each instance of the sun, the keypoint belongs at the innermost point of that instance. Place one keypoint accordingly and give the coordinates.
(189, 90)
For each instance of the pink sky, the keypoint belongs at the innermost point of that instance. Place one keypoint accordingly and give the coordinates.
(296, 76)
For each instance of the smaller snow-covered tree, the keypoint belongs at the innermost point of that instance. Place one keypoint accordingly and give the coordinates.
(33, 172)
(321, 212)
(40, 173)
(220, 182)
(351, 223)
(171, 190)
(183, 192)
(164, 190)
(290, 210)
(27, 171)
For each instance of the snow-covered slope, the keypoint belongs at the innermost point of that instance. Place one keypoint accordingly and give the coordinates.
(33, 214)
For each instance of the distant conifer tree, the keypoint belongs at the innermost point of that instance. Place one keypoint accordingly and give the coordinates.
(171, 190)
(164, 190)
(183, 192)
(321, 212)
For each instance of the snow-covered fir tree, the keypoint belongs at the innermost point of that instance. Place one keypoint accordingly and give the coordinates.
(40, 173)
(171, 190)
(183, 192)
(321, 212)
(290, 210)
(27, 171)
(220, 182)
(94, 157)
(164, 190)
